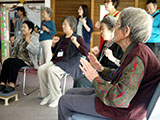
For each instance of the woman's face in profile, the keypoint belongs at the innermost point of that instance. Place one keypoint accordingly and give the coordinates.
(66, 27)
(106, 33)
(108, 5)
(45, 14)
(80, 11)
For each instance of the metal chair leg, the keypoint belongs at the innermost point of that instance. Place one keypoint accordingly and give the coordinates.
(24, 82)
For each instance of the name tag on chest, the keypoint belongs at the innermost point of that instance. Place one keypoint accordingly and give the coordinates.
(60, 54)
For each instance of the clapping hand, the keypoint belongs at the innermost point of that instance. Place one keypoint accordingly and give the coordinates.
(88, 70)
(95, 63)
(95, 50)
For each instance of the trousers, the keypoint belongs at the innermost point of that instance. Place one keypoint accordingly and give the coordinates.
(49, 80)
(10, 70)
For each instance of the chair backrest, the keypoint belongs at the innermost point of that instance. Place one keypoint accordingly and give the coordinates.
(153, 101)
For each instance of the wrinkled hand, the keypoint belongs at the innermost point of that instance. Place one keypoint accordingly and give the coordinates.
(97, 24)
(108, 53)
(88, 70)
(95, 63)
(95, 50)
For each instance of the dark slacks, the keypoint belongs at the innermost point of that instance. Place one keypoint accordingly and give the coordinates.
(77, 100)
(10, 70)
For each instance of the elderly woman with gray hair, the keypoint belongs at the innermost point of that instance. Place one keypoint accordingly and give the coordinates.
(47, 29)
(127, 95)
(67, 50)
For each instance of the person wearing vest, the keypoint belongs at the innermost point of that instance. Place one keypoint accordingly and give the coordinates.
(110, 6)
(154, 41)
(127, 95)
(67, 53)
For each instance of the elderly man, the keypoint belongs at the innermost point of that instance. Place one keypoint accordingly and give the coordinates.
(154, 41)
(127, 95)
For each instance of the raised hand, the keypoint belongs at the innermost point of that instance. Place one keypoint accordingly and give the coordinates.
(95, 63)
(95, 50)
(74, 41)
(44, 28)
(83, 21)
(88, 70)
(97, 24)
(55, 39)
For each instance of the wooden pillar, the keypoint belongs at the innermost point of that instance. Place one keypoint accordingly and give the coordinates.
(136, 3)
(53, 9)
(92, 18)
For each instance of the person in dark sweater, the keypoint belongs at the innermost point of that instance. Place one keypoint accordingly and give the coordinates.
(67, 53)
(128, 93)
(108, 25)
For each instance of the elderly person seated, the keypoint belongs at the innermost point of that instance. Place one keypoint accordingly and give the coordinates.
(127, 95)
(67, 53)
(110, 53)
(24, 53)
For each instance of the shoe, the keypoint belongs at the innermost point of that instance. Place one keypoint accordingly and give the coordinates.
(8, 89)
(54, 103)
(2, 87)
(45, 100)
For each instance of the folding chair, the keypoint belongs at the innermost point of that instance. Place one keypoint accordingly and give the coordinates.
(66, 84)
(26, 70)
(78, 116)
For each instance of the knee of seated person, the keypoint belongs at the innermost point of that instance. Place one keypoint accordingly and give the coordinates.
(62, 99)
(50, 69)
(69, 91)
(40, 69)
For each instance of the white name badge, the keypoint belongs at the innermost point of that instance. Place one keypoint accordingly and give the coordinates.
(60, 54)
(41, 32)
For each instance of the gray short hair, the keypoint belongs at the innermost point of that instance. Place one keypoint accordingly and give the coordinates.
(48, 10)
(139, 21)
(72, 22)
(110, 22)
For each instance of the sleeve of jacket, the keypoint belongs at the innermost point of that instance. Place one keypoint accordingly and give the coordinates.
(121, 93)
(52, 29)
(156, 25)
(34, 45)
(89, 23)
